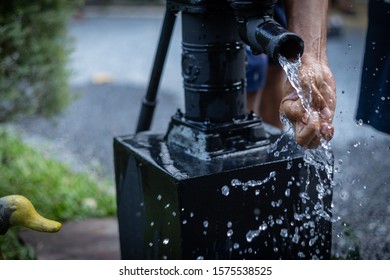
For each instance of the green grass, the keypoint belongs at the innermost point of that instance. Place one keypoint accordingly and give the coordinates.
(56, 191)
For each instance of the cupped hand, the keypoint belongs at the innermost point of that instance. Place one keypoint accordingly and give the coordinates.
(311, 111)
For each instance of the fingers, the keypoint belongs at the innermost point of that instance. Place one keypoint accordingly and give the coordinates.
(327, 131)
(311, 129)
(306, 131)
(326, 104)
(291, 107)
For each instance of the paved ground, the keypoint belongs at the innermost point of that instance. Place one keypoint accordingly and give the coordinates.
(111, 63)
(93, 239)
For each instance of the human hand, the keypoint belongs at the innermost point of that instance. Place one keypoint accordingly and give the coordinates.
(311, 109)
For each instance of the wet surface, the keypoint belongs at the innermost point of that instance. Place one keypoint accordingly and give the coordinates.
(106, 110)
(276, 207)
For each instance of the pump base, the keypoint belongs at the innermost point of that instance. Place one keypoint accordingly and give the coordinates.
(251, 205)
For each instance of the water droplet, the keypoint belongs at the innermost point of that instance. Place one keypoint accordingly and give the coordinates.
(200, 258)
(166, 241)
(287, 192)
(225, 190)
(206, 224)
(284, 232)
(150, 244)
(312, 241)
(295, 238)
(263, 227)
(304, 195)
(236, 246)
(229, 233)
(359, 122)
(356, 144)
(229, 224)
(159, 197)
(251, 234)
(184, 222)
(236, 183)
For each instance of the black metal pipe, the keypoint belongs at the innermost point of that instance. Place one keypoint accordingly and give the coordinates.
(213, 68)
(258, 29)
(265, 35)
(149, 102)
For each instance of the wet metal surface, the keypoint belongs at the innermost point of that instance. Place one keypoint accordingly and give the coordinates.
(252, 204)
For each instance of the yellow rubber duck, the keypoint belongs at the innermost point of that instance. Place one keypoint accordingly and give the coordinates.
(17, 210)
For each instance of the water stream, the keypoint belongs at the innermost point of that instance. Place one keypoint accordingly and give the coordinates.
(320, 157)
(318, 165)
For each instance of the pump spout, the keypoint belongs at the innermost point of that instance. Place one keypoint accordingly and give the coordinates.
(262, 33)
(265, 35)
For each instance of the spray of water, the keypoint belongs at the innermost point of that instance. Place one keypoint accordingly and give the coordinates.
(321, 157)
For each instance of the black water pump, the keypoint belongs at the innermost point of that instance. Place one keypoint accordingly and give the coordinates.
(210, 187)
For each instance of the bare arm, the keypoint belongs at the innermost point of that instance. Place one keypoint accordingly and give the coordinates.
(308, 18)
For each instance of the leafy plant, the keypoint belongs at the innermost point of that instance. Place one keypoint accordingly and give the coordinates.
(34, 49)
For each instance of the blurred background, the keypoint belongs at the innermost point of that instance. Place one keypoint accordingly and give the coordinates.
(109, 48)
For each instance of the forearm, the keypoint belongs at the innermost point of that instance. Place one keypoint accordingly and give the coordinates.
(308, 18)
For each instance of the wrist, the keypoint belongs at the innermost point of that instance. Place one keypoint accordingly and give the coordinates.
(314, 57)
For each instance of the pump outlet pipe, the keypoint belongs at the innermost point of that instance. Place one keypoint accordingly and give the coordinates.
(262, 33)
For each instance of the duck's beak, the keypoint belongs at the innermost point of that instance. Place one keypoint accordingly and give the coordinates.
(24, 214)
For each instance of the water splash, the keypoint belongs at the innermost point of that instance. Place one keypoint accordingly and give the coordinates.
(303, 228)
(320, 158)
(291, 68)
(236, 183)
